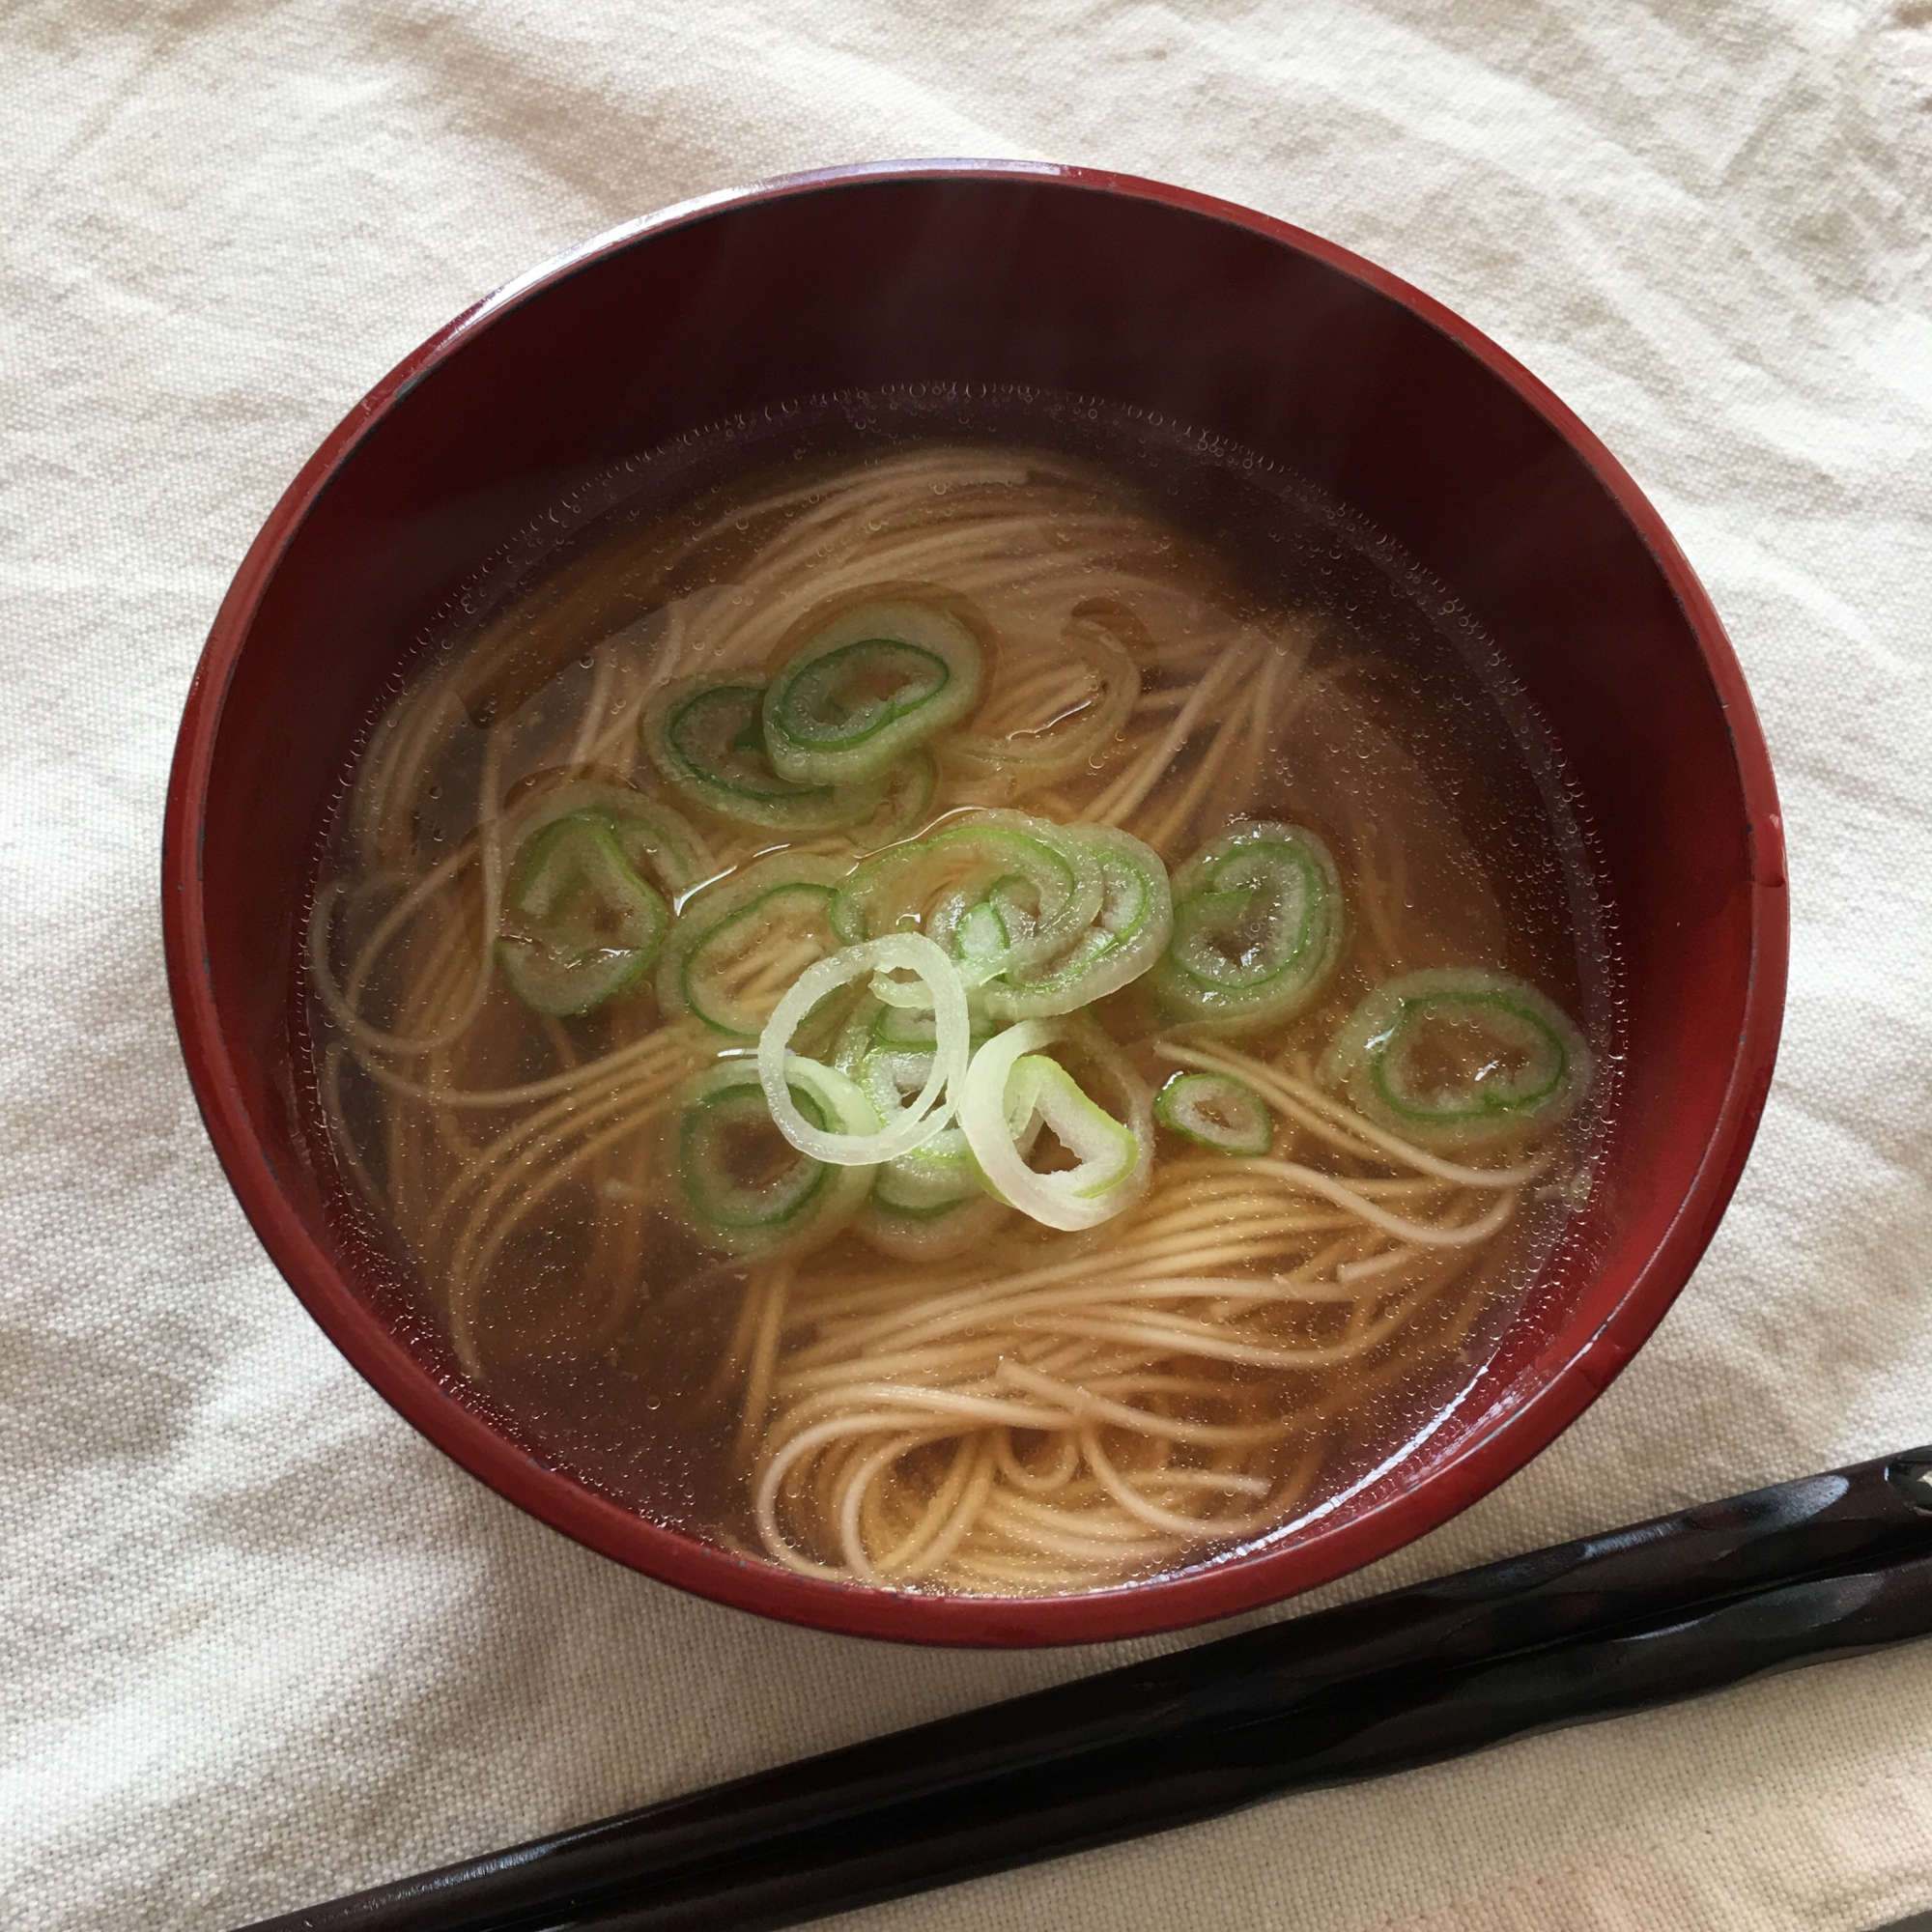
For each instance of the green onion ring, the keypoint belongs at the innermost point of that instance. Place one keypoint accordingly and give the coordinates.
(1373, 1058)
(869, 686)
(1215, 1110)
(926, 1117)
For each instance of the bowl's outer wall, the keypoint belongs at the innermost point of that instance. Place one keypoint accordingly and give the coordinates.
(1149, 297)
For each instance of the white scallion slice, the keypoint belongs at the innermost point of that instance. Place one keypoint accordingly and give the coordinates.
(1457, 1057)
(931, 1109)
(868, 687)
(1010, 1075)
(1215, 1110)
(905, 996)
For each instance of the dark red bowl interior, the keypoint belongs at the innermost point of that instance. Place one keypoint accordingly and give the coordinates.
(1121, 289)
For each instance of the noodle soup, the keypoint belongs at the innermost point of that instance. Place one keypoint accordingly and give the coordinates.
(979, 998)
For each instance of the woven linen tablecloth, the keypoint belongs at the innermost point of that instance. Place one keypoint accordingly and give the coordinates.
(262, 1643)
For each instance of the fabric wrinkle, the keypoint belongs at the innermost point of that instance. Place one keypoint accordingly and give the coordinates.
(267, 1645)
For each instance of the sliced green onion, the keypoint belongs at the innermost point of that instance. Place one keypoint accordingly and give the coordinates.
(871, 1025)
(991, 926)
(1010, 1077)
(1215, 1110)
(1051, 885)
(667, 843)
(899, 1026)
(583, 925)
(857, 1036)
(867, 689)
(652, 837)
(1257, 928)
(913, 1125)
(725, 1126)
(738, 943)
(930, 1176)
(929, 1234)
(1127, 937)
(708, 741)
(944, 1169)
(1456, 1057)
(561, 986)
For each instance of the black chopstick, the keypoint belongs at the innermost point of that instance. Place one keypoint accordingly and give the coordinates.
(1828, 1566)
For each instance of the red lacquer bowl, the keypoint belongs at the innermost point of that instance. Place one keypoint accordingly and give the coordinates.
(1091, 283)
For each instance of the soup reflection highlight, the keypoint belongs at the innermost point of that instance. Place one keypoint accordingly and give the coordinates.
(911, 1022)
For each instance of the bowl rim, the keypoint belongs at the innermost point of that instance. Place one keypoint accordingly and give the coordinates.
(1496, 1447)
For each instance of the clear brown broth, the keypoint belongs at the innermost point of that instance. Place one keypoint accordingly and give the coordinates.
(1401, 743)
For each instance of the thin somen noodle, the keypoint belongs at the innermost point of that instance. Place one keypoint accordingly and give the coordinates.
(746, 962)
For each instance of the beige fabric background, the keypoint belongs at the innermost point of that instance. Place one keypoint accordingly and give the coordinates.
(261, 1644)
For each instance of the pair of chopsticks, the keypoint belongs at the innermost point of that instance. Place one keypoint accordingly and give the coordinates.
(1828, 1566)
